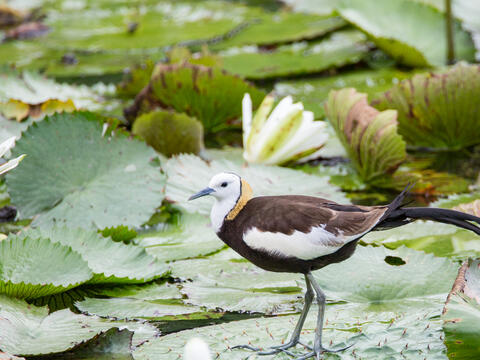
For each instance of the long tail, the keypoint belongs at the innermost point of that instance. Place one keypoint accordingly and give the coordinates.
(398, 215)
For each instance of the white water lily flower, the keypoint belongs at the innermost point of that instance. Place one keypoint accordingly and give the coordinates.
(11, 164)
(286, 134)
(196, 349)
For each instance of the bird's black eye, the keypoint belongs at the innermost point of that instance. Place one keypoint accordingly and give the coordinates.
(224, 184)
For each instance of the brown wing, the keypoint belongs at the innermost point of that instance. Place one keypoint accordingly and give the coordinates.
(286, 214)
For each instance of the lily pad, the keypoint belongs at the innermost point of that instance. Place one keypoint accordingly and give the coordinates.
(191, 238)
(110, 262)
(75, 176)
(462, 314)
(413, 274)
(416, 42)
(282, 27)
(437, 110)
(30, 330)
(233, 285)
(187, 174)
(314, 92)
(26, 267)
(375, 332)
(169, 132)
(216, 94)
(30, 94)
(339, 49)
(369, 136)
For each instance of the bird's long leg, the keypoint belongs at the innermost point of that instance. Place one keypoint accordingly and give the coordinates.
(295, 338)
(318, 349)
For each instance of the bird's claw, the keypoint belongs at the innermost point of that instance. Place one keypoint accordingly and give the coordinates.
(316, 353)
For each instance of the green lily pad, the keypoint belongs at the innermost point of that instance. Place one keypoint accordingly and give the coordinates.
(191, 238)
(314, 92)
(233, 285)
(282, 27)
(417, 275)
(216, 94)
(375, 332)
(187, 174)
(370, 137)
(320, 7)
(26, 267)
(30, 330)
(169, 132)
(462, 316)
(104, 37)
(110, 262)
(406, 30)
(155, 301)
(75, 176)
(437, 110)
(339, 49)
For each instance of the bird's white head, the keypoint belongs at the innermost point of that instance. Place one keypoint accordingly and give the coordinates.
(231, 193)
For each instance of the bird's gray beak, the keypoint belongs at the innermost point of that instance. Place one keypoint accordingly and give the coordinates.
(206, 191)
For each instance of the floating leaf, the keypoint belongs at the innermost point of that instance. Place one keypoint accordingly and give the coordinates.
(188, 173)
(419, 275)
(416, 42)
(110, 262)
(169, 132)
(369, 136)
(32, 267)
(30, 330)
(136, 79)
(75, 176)
(314, 92)
(282, 27)
(339, 49)
(462, 314)
(209, 94)
(390, 331)
(233, 285)
(30, 94)
(193, 237)
(437, 110)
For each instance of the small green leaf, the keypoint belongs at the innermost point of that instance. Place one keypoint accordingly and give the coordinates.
(169, 132)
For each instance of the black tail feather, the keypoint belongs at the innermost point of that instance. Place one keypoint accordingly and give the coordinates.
(401, 216)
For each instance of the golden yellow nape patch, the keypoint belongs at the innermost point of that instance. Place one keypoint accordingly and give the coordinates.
(242, 201)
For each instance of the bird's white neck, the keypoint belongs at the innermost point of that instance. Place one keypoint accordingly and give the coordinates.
(221, 208)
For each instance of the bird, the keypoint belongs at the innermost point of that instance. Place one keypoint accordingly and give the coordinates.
(301, 234)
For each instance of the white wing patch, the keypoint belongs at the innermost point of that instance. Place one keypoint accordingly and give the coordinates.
(305, 246)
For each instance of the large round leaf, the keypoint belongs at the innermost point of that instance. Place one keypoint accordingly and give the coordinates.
(406, 30)
(31, 267)
(110, 261)
(30, 330)
(392, 331)
(187, 174)
(75, 176)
